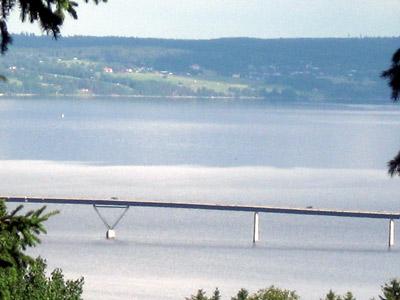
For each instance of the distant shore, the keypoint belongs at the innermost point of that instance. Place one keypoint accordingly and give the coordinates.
(372, 101)
(83, 96)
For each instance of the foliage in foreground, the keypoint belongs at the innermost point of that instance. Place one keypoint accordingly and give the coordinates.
(23, 277)
(271, 293)
(332, 296)
(49, 14)
(390, 291)
(32, 283)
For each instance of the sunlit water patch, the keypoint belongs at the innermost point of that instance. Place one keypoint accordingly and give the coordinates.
(235, 152)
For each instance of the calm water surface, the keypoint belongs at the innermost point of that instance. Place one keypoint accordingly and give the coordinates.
(238, 152)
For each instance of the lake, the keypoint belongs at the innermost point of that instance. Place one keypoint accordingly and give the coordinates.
(222, 151)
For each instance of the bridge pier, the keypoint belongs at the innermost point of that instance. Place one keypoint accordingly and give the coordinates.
(391, 233)
(256, 231)
(110, 233)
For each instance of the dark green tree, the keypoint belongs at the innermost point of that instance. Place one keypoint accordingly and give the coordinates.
(241, 295)
(393, 76)
(274, 293)
(201, 295)
(18, 232)
(49, 14)
(394, 165)
(333, 296)
(271, 293)
(23, 277)
(33, 283)
(348, 296)
(391, 290)
(216, 295)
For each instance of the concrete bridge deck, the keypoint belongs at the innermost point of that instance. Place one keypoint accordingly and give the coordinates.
(391, 216)
(210, 206)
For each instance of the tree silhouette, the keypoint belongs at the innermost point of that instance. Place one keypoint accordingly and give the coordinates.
(393, 76)
(21, 275)
(391, 290)
(241, 295)
(49, 14)
(332, 296)
(18, 232)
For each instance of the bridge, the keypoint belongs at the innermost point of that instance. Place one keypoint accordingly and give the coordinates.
(125, 204)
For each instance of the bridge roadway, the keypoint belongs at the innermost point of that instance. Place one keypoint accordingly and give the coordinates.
(209, 206)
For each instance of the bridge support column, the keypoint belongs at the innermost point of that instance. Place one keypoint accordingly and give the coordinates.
(391, 233)
(256, 232)
(110, 233)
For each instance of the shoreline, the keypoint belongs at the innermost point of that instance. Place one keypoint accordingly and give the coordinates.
(374, 101)
(81, 96)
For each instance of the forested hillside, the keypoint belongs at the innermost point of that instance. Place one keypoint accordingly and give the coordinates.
(344, 70)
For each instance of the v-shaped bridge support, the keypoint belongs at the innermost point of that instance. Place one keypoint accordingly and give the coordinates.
(110, 234)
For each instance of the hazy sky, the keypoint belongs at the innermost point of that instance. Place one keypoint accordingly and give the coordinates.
(223, 18)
